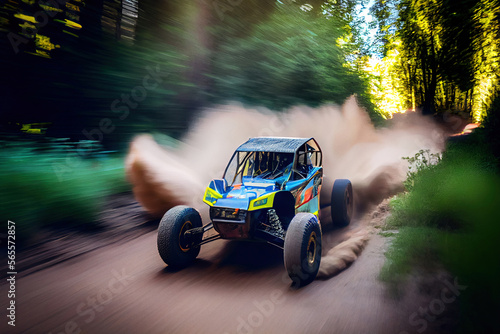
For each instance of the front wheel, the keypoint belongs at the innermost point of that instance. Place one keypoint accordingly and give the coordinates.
(302, 250)
(175, 249)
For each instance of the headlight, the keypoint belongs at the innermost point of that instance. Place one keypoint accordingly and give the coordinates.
(260, 202)
(215, 212)
(227, 213)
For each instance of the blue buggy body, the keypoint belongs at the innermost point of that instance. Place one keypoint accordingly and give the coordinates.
(282, 174)
(269, 192)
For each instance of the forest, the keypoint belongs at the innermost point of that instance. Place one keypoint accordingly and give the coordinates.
(69, 65)
(81, 78)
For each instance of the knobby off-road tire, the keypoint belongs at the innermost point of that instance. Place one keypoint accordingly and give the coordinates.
(302, 251)
(172, 245)
(342, 203)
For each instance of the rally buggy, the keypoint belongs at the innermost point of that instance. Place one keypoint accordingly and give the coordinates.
(269, 192)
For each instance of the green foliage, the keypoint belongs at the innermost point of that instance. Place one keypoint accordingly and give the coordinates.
(36, 193)
(450, 216)
(385, 13)
(438, 193)
(473, 256)
(424, 159)
(437, 44)
(293, 58)
(447, 52)
(257, 51)
(118, 91)
(412, 247)
(387, 234)
(487, 55)
(398, 216)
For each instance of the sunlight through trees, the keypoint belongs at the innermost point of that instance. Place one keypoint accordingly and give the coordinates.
(447, 54)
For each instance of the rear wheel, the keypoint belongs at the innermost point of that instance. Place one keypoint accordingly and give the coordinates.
(174, 247)
(342, 203)
(302, 250)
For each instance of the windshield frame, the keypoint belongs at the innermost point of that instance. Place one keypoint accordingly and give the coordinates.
(243, 163)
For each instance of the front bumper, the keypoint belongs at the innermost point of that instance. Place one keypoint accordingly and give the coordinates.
(231, 223)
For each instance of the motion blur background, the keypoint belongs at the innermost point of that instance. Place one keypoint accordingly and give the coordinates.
(65, 62)
(81, 78)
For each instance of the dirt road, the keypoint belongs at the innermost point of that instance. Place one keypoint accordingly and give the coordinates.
(232, 288)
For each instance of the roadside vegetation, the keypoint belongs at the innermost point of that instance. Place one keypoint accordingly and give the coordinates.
(56, 187)
(448, 217)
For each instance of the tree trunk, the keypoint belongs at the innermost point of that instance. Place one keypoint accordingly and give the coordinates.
(430, 94)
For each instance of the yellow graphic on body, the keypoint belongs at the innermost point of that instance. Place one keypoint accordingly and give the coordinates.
(211, 196)
(262, 202)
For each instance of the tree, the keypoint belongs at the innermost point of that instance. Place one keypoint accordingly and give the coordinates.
(486, 58)
(448, 51)
(293, 58)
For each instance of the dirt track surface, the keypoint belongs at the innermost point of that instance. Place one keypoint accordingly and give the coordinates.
(232, 288)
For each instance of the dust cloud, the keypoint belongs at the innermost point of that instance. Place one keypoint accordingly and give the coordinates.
(343, 248)
(352, 148)
(343, 254)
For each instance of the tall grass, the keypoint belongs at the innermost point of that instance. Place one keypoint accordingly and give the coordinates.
(50, 189)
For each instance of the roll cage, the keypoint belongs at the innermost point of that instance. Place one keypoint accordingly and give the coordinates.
(276, 159)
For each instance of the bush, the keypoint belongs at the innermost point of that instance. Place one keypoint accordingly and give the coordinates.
(413, 247)
(450, 216)
(54, 189)
(423, 160)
